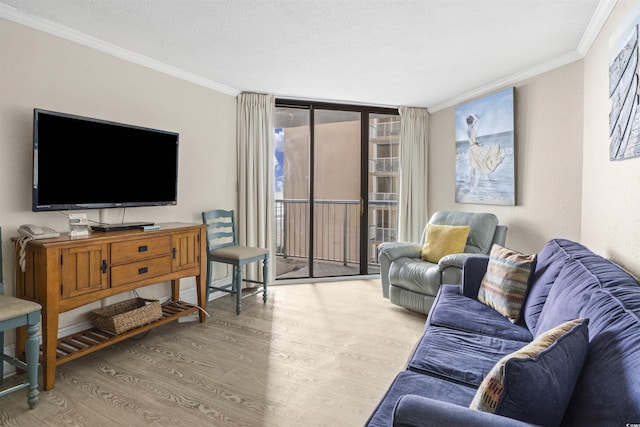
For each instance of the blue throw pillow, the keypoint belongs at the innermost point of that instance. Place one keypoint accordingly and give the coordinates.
(535, 383)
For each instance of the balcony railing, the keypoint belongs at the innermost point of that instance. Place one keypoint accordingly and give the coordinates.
(386, 164)
(378, 198)
(336, 228)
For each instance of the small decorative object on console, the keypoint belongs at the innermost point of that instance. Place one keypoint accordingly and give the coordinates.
(78, 225)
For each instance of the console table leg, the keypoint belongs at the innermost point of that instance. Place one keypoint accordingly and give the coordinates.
(202, 298)
(49, 346)
(175, 290)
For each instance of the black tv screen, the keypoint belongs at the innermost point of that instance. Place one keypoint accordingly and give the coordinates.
(85, 163)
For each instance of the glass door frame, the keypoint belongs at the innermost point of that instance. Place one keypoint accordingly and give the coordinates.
(365, 112)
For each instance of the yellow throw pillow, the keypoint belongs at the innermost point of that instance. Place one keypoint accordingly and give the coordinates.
(444, 240)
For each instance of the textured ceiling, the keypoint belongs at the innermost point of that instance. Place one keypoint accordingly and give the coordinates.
(426, 53)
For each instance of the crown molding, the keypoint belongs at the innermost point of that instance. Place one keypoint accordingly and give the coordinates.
(78, 37)
(603, 10)
(510, 80)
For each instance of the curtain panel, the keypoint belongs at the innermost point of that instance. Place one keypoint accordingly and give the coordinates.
(254, 219)
(412, 201)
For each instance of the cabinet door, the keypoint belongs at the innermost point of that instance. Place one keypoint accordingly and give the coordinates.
(83, 270)
(186, 251)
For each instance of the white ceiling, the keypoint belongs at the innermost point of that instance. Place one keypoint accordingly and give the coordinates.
(429, 53)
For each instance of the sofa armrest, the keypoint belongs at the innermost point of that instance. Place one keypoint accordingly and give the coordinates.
(395, 250)
(472, 273)
(418, 411)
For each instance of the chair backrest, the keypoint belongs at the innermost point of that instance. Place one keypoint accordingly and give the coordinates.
(483, 229)
(500, 236)
(221, 229)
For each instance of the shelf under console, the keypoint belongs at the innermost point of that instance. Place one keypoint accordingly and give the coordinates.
(76, 345)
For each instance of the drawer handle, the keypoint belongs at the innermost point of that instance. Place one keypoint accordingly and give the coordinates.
(143, 248)
(143, 270)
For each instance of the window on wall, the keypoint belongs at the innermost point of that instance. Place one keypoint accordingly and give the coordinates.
(336, 174)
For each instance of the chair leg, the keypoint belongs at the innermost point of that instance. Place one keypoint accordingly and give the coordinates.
(265, 276)
(237, 280)
(31, 357)
(208, 283)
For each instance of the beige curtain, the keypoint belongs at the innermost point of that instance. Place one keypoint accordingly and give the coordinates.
(254, 219)
(414, 142)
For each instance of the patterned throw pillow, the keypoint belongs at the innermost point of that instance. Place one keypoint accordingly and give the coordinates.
(504, 285)
(535, 383)
(444, 240)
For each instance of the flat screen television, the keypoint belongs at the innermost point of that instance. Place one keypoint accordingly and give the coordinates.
(86, 163)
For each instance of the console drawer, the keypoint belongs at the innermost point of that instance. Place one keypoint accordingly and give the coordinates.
(140, 249)
(140, 270)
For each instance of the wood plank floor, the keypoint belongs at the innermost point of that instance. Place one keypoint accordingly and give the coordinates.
(315, 355)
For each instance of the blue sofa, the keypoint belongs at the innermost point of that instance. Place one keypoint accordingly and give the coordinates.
(464, 339)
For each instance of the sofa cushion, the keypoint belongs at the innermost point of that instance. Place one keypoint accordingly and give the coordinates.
(567, 297)
(444, 240)
(457, 311)
(550, 261)
(408, 382)
(574, 286)
(483, 228)
(459, 356)
(535, 383)
(566, 274)
(505, 283)
(608, 390)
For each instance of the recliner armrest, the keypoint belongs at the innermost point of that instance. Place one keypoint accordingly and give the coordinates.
(395, 250)
(417, 411)
(472, 273)
(453, 260)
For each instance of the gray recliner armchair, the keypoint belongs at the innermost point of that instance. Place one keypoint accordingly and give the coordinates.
(411, 282)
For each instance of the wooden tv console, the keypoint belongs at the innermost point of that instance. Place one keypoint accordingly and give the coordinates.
(64, 273)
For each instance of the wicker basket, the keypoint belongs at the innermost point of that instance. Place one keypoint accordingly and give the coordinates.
(126, 315)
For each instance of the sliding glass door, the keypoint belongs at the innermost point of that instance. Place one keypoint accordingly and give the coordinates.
(336, 194)
(323, 184)
(292, 204)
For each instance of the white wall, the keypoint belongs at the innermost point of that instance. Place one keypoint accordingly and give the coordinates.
(44, 71)
(610, 196)
(548, 161)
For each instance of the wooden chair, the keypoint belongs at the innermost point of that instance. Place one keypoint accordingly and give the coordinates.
(222, 246)
(16, 313)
